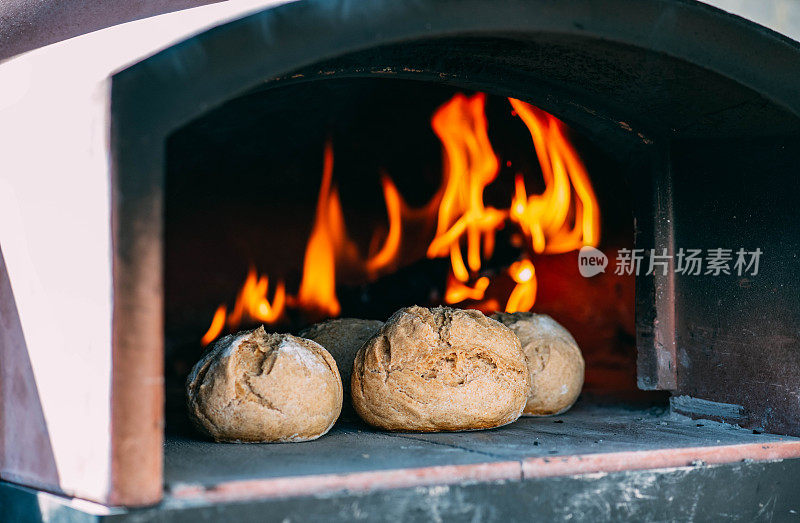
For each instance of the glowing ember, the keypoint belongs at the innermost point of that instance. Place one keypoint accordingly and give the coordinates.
(563, 217)
(524, 294)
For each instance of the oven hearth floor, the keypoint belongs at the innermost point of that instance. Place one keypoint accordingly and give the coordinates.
(354, 457)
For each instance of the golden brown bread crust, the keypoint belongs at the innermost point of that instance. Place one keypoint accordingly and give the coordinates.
(259, 387)
(554, 359)
(343, 337)
(440, 369)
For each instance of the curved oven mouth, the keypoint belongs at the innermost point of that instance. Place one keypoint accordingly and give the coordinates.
(316, 158)
(333, 162)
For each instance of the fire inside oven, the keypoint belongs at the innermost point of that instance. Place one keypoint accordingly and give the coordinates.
(356, 197)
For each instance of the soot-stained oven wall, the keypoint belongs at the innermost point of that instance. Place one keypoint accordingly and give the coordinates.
(738, 333)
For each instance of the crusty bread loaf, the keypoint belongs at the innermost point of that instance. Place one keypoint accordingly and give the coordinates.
(343, 337)
(440, 369)
(254, 386)
(554, 359)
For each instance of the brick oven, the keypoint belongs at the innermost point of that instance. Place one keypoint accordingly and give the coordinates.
(150, 172)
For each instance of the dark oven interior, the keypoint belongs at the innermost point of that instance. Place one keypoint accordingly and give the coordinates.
(243, 185)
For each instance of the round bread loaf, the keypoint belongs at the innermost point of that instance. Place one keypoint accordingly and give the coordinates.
(554, 360)
(259, 387)
(440, 369)
(343, 337)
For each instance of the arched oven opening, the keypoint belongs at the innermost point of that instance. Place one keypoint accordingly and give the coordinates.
(629, 171)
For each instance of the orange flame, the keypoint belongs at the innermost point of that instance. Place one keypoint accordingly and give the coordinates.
(470, 165)
(457, 292)
(523, 296)
(555, 220)
(251, 303)
(217, 323)
(328, 245)
(545, 217)
(394, 205)
(318, 286)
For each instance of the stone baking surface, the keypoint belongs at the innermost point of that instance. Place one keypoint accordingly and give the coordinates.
(353, 447)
